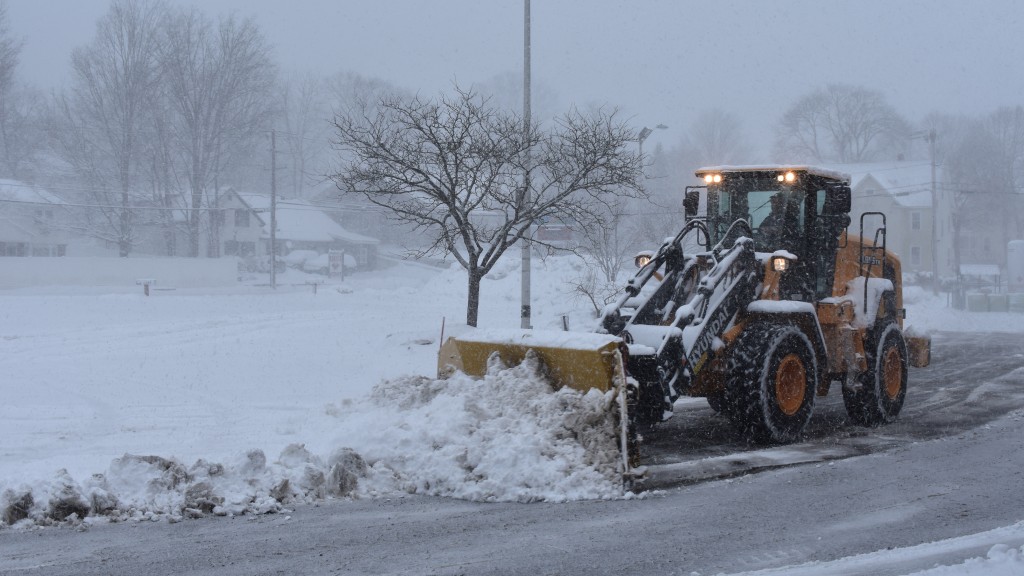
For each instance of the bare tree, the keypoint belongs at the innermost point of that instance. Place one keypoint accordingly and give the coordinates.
(717, 138)
(841, 123)
(982, 160)
(17, 106)
(305, 130)
(454, 168)
(355, 95)
(10, 49)
(160, 172)
(114, 78)
(219, 82)
(605, 249)
(970, 173)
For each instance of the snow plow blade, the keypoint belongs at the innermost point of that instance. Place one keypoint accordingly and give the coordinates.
(578, 360)
(581, 361)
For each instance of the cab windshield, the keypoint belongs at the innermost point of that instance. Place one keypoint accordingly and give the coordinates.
(774, 211)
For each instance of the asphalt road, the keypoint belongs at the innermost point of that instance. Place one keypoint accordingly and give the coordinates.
(952, 465)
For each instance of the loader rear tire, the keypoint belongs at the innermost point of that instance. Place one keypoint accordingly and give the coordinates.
(877, 395)
(772, 380)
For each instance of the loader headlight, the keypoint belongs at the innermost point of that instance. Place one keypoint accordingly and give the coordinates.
(780, 264)
(712, 178)
(787, 177)
(643, 258)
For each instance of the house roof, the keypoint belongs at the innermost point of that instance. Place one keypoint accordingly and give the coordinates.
(263, 218)
(13, 231)
(17, 191)
(301, 221)
(909, 183)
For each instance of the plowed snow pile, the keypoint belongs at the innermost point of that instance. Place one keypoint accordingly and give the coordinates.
(503, 438)
(506, 437)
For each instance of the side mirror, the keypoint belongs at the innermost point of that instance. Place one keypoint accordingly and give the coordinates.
(841, 200)
(691, 202)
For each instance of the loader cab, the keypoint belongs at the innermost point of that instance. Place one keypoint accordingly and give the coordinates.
(800, 210)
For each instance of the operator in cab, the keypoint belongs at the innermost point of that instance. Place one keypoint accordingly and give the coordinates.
(777, 230)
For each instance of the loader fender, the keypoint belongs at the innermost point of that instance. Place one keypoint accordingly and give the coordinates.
(799, 314)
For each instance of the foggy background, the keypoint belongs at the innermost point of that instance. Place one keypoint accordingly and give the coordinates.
(143, 166)
(659, 61)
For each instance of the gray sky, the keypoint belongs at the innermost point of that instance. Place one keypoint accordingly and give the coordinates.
(661, 61)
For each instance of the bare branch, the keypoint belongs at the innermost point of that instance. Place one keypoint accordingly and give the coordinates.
(454, 168)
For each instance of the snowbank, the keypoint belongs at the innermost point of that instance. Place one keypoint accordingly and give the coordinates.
(1000, 560)
(505, 437)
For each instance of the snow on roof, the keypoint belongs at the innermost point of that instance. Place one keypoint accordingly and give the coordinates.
(814, 170)
(909, 182)
(301, 221)
(23, 192)
(12, 230)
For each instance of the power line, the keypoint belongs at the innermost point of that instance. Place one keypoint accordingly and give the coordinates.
(283, 205)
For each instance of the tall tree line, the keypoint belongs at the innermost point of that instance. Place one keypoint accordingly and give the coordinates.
(164, 109)
(167, 106)
(162, 102)
(21, 136)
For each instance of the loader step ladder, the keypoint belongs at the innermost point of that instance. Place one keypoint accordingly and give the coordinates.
(871, 255)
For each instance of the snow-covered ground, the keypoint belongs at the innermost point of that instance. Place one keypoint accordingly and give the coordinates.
(247, 400)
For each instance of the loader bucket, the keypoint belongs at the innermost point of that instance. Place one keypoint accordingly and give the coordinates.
(581, 361)
(578, 360)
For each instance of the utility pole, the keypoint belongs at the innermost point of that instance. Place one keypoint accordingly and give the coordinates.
(525, 314)
(273, 209)
(935, 216)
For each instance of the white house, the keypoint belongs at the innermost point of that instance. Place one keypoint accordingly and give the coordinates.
(302, 225)
(241, 226)
(903, 192)
(33, 221)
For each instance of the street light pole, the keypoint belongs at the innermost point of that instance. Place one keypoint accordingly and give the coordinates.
(525, 295)
(935, 216)
(273, 209)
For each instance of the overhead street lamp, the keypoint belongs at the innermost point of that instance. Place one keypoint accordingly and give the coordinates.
(643, 135)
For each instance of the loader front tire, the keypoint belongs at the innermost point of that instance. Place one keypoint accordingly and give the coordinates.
(877, 395)
(716, 400)
(772, 380)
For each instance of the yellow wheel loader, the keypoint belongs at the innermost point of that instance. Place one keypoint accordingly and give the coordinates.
(759, 305)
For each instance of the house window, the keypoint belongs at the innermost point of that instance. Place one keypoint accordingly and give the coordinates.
(915, 220)
(236, 248)
(12, 249)
(241, 218)
(915, 255)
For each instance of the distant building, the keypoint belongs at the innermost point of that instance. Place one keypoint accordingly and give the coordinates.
(33, 221)
(241, 226)
(903, 192)
(302, 225)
